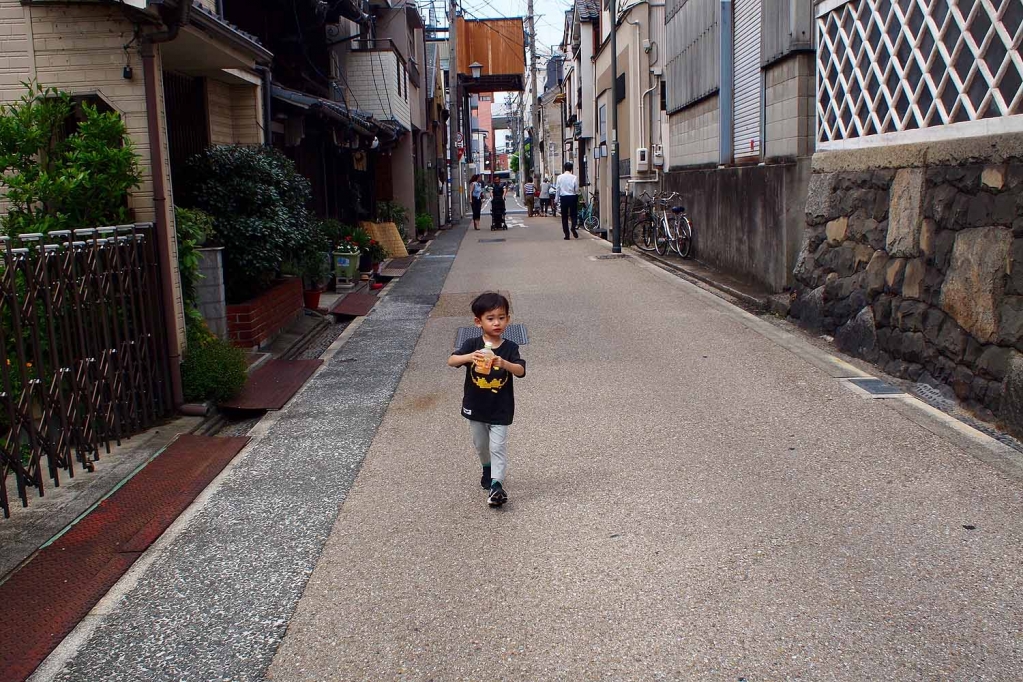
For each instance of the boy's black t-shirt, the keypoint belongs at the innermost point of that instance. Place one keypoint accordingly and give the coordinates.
(490, 398)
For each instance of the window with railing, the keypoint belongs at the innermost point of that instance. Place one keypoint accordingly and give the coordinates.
(895, 66)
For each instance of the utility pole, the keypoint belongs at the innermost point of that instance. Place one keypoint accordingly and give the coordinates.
(454, 115)
(532, 80)
(521, 133)
(616, 221)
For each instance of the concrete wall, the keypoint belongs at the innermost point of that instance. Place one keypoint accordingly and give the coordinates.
(747, 220)
(790, 107)
(693, 135)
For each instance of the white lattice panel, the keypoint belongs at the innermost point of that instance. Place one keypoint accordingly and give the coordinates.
(888, 66)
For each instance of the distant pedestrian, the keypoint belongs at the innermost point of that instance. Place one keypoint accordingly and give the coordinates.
(553, 198)
(545, 199)
(567, 187)
(476, 191)
(529, 190)
(488, 399)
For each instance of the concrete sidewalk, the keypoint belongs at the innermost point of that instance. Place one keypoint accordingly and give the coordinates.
(691, 497)
(212, 598)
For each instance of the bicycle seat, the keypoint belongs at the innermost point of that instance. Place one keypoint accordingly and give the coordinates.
(678, 209)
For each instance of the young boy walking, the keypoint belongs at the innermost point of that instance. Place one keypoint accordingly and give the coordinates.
(488, 400)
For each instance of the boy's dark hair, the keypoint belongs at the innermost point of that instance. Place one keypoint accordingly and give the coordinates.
(490, 300)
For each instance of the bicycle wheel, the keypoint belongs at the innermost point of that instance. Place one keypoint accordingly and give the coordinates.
(685, 237)
(661, 239)
(641, 234)
(592, 223)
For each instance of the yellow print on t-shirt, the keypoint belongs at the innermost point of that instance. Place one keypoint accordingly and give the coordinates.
(493, 385)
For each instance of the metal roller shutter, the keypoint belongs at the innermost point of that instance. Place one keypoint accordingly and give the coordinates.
(747, 79)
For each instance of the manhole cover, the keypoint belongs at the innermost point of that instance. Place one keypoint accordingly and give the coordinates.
(612, 256)
(490, 241)
(514, 332)
(876, 387)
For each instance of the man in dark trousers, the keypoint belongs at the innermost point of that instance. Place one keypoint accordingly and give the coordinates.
(568, 194)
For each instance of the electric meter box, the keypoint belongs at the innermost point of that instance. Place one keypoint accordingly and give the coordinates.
(642, 160)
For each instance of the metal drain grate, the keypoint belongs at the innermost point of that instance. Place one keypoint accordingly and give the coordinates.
(612, 256)
(934, 398)
(514, 332)
(876, 387)
(491, 241)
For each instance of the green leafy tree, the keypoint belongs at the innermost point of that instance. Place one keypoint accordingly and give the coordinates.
(53, 179)
(513, 163)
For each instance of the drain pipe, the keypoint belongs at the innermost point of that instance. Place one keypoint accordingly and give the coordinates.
(164, 236)
(264, 71)
(725, 102)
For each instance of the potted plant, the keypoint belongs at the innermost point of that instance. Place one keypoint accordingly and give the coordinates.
(315, 270)
(377, 254)
(346, 256)
(424, 225)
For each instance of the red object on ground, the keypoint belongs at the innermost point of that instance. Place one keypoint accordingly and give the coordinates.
(46, 598)
(311, 298)
(273, 385)
(376, 286)
(354, 305)
(251, 323)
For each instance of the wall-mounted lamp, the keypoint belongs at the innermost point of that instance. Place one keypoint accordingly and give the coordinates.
(476, 68)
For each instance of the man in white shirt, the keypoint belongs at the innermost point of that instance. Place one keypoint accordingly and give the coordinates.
(568, 194)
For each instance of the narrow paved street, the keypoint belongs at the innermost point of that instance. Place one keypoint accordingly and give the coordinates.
(689, 499)
(694, 494)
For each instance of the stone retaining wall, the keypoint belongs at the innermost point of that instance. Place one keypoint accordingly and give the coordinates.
(920, 270)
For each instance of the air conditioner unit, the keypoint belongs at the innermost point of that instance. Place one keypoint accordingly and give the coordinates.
(658, 155)
(642, 160)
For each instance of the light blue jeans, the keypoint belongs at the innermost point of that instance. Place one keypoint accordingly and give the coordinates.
(491, 443)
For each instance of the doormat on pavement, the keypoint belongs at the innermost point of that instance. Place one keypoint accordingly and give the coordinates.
(515, 332)
(490, 241)
(613, 256)
(47, 597)
(273, 385)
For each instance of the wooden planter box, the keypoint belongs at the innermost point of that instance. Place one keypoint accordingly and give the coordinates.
(257, 322)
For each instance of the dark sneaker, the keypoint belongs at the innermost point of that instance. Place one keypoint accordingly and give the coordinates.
(575, 233)
(497, 495)
(486, 481)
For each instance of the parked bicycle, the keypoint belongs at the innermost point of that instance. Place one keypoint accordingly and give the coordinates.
(589, 216)
(641, 223)
(674, 233)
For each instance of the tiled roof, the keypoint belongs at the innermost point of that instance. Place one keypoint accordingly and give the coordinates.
(589, 10)
(228, 26)
(336, 110)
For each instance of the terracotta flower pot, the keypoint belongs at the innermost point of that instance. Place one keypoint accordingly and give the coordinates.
(311, 298)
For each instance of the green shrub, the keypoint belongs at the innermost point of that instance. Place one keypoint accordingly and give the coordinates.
(56, 181)
(213, 369)
(393, 212)
(258, 204)
(194, 227)
(424, 223)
